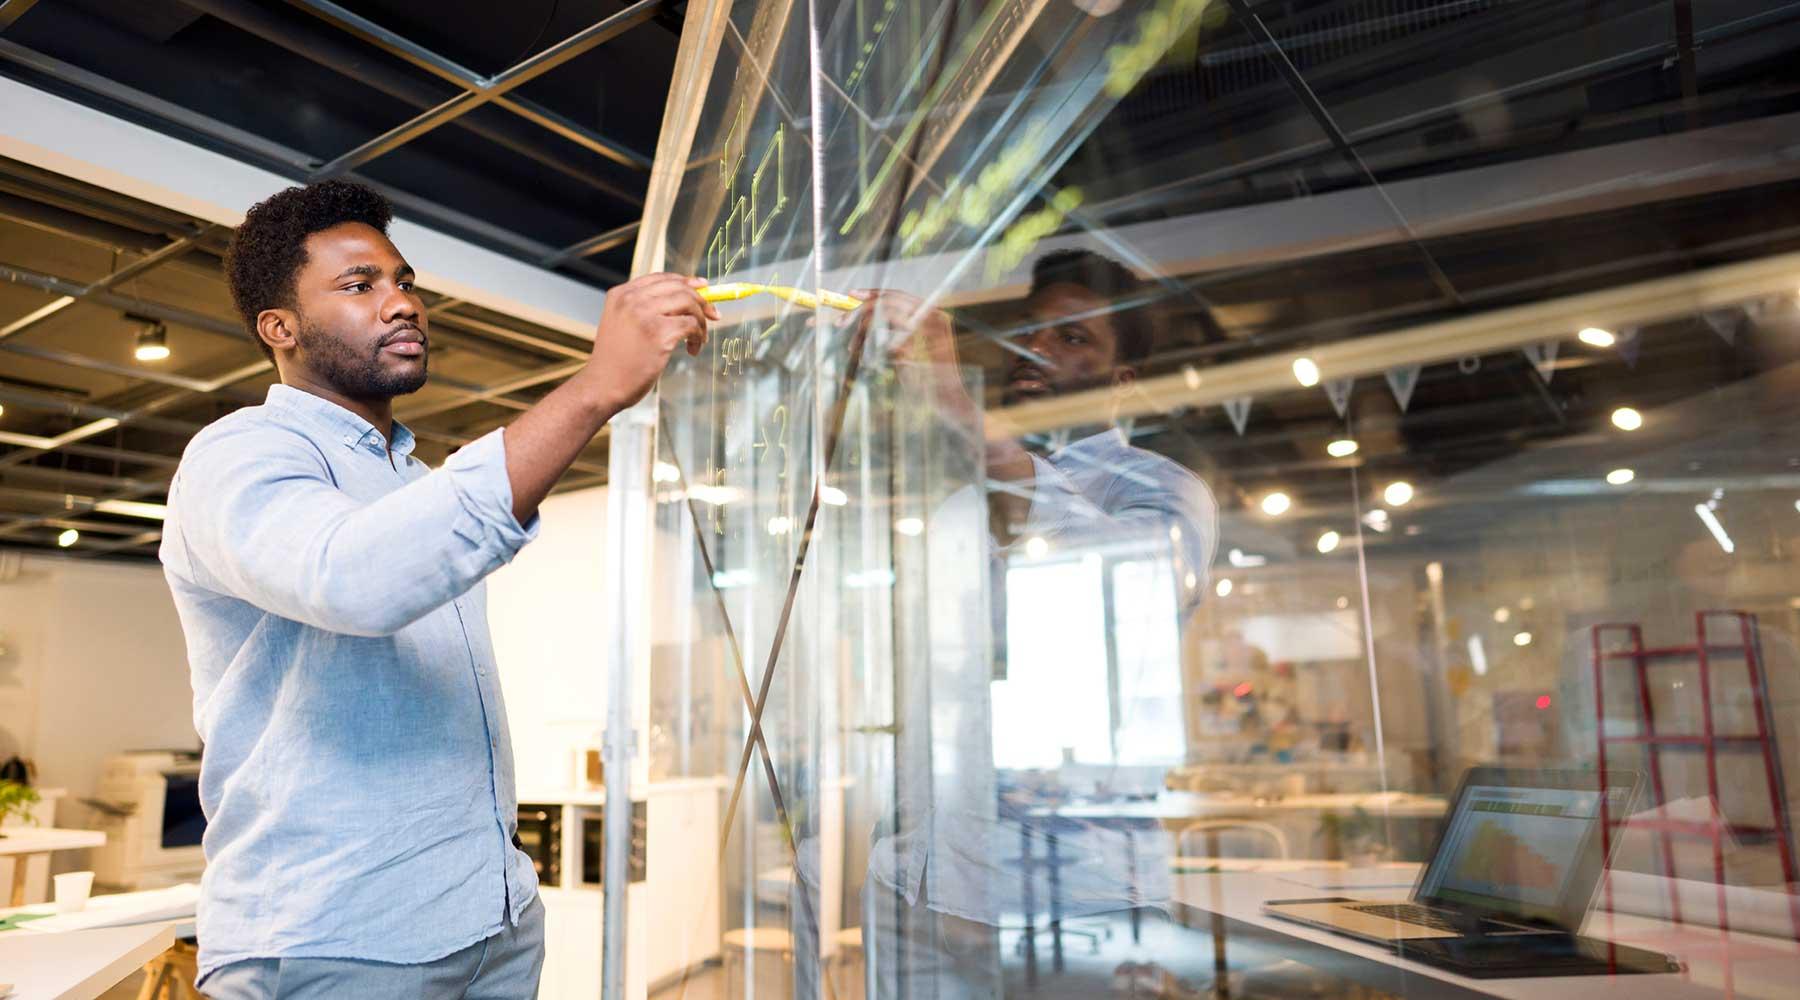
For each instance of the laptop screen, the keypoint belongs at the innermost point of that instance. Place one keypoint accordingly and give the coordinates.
(1511, 849)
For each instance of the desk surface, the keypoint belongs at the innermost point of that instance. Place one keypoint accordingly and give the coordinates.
(1195, 805)
(79, 965)
(1718, 963)
(37, 840)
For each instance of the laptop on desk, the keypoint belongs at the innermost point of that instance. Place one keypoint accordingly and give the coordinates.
(1509, 882)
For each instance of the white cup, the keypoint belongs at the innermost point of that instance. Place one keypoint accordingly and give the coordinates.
(72, 891)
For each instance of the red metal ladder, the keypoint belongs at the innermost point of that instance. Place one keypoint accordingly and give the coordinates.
(1708, 741)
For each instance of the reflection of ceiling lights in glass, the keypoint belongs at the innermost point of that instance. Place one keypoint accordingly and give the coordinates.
(1192, 581)
(1593, 336)
(1619, 477)
(1191, 376)
(1245, 560)
(1378, 519)
(663, 472)
(134, 508)
(1627, 419)
(1276, 504)
(1223, 587)
(1036, 547)
(1502, 615)
(1398, 493)
(1306, 372)
(780, 525)
(1711, 520)
(1522, 639)
(910, 526)
(69, 537)
(833, 496)
(1328, 542)
(1341, 448)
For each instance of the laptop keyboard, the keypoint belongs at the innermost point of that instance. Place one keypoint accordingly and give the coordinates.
(1410, 913)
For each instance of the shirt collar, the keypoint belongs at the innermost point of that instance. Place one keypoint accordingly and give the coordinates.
(337, 423)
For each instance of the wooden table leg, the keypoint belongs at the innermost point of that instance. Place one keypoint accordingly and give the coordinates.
(21, 868)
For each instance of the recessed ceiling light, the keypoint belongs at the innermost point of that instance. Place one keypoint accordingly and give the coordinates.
(910, 526)
(1378, 519)
(1191, 376)
(1502, 615)
(69, 537)
(1223, 587)
(1619, 477)
(833, 496)
(1596, 337)
(1036, 547)
(1276, 504)
(1306, 372)
(780, 525)
(1192, 581)
(1328, 542)
(1627, 419)
(1522, 639)
(1341, 448)
(663, 472)
(134, 508)
(1398, 493)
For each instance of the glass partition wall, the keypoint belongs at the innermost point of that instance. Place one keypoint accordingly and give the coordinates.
(1154, 451)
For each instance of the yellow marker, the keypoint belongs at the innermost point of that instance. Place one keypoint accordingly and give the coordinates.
(731, 291)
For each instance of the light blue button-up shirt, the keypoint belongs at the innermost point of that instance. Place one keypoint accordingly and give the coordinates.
(358, 774)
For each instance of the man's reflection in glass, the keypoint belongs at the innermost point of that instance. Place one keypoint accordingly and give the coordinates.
(980, 850)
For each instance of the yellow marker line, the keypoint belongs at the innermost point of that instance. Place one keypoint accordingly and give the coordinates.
(731, 291)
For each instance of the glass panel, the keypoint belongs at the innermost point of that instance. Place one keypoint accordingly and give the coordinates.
(1205, 455)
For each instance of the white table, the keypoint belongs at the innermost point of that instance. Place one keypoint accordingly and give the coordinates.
(79, 965)
(23, 843)
(1719, 963)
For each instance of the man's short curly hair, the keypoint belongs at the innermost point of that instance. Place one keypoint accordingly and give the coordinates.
(269, 249)
(1109, 280)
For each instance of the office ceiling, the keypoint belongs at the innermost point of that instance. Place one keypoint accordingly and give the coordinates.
(552, 171)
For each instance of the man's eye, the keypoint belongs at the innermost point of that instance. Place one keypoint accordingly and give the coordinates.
(360, 286)
(406, 286)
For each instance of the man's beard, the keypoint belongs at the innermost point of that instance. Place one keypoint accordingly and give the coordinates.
(356, 376)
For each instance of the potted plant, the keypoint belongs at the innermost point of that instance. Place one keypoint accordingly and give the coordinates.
(16, 799)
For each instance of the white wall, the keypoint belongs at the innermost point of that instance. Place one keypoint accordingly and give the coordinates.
(96, 664)
(549, 615)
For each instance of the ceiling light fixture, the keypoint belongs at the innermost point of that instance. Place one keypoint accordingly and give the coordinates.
(1502, 615)
(1522, 639)
(1306, 372)
(1593, 336)
(1378, 519)
(152, 343)
(1398, 493)
(69, 537)
(912, 527)
(1036, 547)
(1619, 477)
(1223, 587)
(663, 472)
(1276, 504)
(833, 496)
(134, 508)
(1328, 542)
(1627, 419)
(1711, 520)
(1341, 448)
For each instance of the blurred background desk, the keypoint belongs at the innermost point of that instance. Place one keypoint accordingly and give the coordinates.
(25, 844)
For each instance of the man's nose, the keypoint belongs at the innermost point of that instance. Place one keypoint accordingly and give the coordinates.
(399, 305)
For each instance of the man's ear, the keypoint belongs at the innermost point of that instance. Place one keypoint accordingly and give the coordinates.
(1123, 376)
(278, 328)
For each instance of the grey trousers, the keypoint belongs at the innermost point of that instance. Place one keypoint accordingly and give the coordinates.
(503, 967)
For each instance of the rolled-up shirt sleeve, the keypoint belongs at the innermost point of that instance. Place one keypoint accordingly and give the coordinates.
(258, 516)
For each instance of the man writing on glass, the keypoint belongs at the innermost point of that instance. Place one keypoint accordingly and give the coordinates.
(358, 777)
